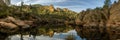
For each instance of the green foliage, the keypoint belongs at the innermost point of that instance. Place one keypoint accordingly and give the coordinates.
(43, 13)
(4, 11)
(107, 3)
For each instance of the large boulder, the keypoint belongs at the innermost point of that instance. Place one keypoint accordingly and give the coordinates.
(11, 24)
(8, 27)
(18, 22)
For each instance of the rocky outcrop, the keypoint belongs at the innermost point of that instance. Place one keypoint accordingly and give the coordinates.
(65, 9)
(51, 8)
(100, 23)
(11, 24)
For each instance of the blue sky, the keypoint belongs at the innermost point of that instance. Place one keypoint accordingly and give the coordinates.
(75, 5)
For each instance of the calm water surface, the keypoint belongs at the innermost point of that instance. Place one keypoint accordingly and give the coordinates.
(56, 36)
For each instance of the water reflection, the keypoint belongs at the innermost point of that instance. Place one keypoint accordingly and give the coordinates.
(56, 36)
(98, 33)
(65, 33)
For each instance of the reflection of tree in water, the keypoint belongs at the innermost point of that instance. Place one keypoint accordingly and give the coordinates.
(46, 31)
(49, 31)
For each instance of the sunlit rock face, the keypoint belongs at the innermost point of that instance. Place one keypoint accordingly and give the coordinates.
(114, 21)
(51, 8)
(7, 27)
(11, 24)
(115, 13)
(96, 24)
(92, 17)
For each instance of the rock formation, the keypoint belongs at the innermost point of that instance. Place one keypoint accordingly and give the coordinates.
(100, 23)
(10, 24)
(51, 8)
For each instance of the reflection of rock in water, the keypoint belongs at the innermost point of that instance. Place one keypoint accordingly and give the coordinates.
(11, 25)
(95, 33)
(3, 36)
(32, 33)
(17, 37)
(70, 35)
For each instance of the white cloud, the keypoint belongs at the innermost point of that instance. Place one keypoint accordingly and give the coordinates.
(36, 1)
(75, 5)
(46, 1)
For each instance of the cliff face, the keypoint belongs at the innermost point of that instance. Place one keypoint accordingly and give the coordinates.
(92, 17)
(115, 14)
(101, 15)
(103, 22)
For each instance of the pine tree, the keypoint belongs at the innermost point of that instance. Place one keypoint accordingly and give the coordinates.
(107, 3)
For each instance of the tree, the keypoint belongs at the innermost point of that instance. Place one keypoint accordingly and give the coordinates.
(107, 3)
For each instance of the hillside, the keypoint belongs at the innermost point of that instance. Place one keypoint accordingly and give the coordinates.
(29, 16)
